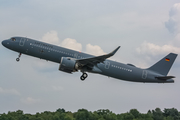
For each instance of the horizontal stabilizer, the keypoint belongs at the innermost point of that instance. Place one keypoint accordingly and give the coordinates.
(165, 77)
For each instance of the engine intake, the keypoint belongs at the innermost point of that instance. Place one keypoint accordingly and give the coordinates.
(67, 65)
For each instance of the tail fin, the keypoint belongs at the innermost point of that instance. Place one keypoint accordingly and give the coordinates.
(164, 65)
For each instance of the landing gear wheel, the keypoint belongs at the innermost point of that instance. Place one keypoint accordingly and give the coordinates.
(17, 59)
(85, 75)
(82, 78)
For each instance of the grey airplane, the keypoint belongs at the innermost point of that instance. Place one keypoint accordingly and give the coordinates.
(73, 61)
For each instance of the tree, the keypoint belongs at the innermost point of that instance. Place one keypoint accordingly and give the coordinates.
(145, 117)
(61, 110)
(3, 116)
(135, 113)
(102, 114)
(157, 114)
(171, 113)
(101, 118)
(128, 116)
(169, 118)
(106, 114)
(82, 114)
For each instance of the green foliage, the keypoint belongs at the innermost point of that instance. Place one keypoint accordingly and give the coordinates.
(106, 114)
(61, 110)
(135, 113)
(82, 114)
(171, 114)
(158, 114)
(102, 114)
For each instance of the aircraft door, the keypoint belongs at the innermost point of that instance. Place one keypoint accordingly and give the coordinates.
(107, 64)
(22, 41)
(144, 74)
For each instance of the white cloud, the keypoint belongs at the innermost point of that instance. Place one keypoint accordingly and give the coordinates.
(30, 100)
(71, 44)
(94, 50)
(51, 37)
(173, 24)
(9, 91)
(153, 49)
(177, 39)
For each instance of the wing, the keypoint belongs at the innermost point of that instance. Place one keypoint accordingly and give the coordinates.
(94, 60)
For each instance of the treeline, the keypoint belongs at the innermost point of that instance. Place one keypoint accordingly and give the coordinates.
(83, 114)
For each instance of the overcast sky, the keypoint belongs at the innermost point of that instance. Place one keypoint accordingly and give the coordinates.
(145, 30)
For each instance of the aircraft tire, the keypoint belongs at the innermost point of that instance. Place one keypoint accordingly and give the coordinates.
(82, 78)
(17, 59)
(85, 75)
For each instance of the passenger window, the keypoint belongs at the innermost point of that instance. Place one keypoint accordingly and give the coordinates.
(13, 39)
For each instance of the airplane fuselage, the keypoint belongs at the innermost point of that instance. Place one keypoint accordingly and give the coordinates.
(108, 68)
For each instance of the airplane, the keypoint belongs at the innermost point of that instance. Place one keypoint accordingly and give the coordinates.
(73, 61)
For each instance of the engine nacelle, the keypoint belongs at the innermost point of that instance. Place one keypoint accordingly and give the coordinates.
(67, 65)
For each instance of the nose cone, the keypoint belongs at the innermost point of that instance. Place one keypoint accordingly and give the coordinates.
(3, 43)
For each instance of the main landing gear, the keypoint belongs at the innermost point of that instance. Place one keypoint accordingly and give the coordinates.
(17, 59)
(84, 76)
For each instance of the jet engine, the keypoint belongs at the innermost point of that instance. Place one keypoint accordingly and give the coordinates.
(68, 65)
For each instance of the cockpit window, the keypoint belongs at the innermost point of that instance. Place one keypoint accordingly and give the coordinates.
(13, 39)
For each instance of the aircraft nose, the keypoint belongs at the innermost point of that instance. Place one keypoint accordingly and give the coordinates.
(3, 42)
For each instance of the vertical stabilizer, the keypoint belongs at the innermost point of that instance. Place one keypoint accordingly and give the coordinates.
(164, 65)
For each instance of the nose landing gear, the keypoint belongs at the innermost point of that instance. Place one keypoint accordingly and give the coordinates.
(84, 76)
(17, 59)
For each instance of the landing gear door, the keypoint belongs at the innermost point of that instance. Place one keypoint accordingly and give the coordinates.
(22, 41)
